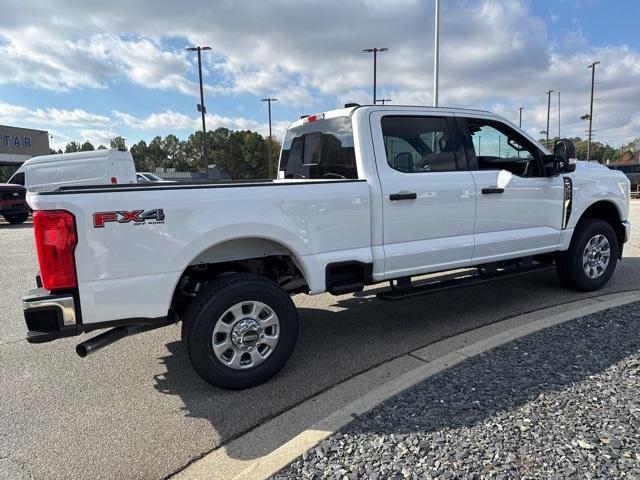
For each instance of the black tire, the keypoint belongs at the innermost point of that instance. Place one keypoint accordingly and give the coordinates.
(16, 218)
(206, 311)
(569, 264)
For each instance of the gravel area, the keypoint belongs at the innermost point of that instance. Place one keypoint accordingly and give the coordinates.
(561, 403)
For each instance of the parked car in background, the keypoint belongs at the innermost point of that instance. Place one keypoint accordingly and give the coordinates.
(632, 171)
(96, 167)
(147, 177)
(13, 206)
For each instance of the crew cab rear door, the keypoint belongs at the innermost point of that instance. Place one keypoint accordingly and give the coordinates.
(428, 195)
(518, 209)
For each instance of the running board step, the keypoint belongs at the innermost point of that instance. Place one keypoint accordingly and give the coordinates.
(342, 288)
(395, 294)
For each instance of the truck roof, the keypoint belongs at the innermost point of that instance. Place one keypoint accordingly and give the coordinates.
(109, 152)
(342, 112)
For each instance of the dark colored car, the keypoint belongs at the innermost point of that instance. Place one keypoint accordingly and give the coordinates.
(632, 171)
(13, 206)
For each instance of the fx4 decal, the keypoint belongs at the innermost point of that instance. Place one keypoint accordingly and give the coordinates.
(138, 217)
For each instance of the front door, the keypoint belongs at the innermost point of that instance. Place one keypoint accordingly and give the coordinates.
(519, 209)
(428, 193)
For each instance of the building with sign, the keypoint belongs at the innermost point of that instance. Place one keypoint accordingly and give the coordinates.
(18, 145)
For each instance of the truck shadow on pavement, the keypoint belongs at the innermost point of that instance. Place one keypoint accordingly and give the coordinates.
(359, 333)
(19, 226)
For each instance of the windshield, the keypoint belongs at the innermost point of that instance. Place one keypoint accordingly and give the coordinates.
(322, 149)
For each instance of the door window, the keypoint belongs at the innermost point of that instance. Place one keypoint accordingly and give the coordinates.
(418, 144)
(497, 147)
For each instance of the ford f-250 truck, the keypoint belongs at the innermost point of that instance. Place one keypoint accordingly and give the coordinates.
(364, 195)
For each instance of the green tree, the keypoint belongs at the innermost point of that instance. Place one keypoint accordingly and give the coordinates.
(119, 143)
(72, 147)
(102, 147)
(87, 147)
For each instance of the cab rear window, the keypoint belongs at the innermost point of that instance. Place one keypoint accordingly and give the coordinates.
(322, 149)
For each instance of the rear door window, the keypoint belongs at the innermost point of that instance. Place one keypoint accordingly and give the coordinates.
(419, 144)
(321, 149)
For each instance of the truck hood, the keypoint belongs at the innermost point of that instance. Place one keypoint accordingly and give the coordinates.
(590, 166)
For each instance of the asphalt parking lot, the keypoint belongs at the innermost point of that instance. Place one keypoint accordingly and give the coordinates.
(137, 409)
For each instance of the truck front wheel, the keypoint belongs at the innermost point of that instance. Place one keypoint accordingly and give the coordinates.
(591, 258)
(240, 330)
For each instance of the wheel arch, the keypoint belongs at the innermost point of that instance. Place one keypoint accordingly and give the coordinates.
(261, 255)
(609, 212)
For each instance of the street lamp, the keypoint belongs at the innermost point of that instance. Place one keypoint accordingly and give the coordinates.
(436, 53)
(269, 100)
(375, 61)
(201, 108)
(520, 120)
(593, 78)
(548, 114)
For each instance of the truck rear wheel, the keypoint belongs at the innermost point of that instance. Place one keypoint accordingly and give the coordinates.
(16, 218)
(591, 258)
(240, 330)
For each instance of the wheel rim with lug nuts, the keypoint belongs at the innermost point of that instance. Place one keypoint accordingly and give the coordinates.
(596, 256)
(245, 335)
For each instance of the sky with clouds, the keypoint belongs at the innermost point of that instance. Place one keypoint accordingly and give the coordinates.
(91, 70)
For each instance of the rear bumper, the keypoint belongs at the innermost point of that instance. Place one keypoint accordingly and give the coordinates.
(48, 316)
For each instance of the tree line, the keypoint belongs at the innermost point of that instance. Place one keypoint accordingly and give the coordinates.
(243, 154)
(603, 152)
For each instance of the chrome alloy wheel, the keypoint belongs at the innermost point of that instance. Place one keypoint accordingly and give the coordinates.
(245, 335)
(596, 256)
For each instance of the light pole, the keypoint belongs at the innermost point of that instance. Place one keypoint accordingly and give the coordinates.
(384, 100)
(436, 54)
(269, 100)
(375, 62)
(559, 136)
(593, 82)
(520, 118)
(201, 108)
(548, 114)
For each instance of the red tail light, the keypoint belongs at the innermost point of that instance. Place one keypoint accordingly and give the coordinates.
(114, 180)
(56, 240)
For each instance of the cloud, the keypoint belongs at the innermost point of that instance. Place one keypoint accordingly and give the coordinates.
(45, 117)
(174, 121)
(97, 137)
(494, 53)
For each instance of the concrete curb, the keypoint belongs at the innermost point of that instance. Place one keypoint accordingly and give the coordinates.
(267, 449)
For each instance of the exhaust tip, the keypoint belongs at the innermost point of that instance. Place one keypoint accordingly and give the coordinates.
(81, 350)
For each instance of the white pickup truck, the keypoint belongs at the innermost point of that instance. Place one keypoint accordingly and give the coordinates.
(364, 194)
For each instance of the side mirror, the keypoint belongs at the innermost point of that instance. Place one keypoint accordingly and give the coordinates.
(403, 162)
(564, 154)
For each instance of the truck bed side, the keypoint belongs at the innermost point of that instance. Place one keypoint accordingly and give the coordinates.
(130, 269)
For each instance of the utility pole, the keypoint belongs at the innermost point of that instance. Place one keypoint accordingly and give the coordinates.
(201, 108)
(593, 82)
(559, 136)
(269, 100)
(548, 114)
(436, 54)
(383, 100)
(375, 63)
(520, 119)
